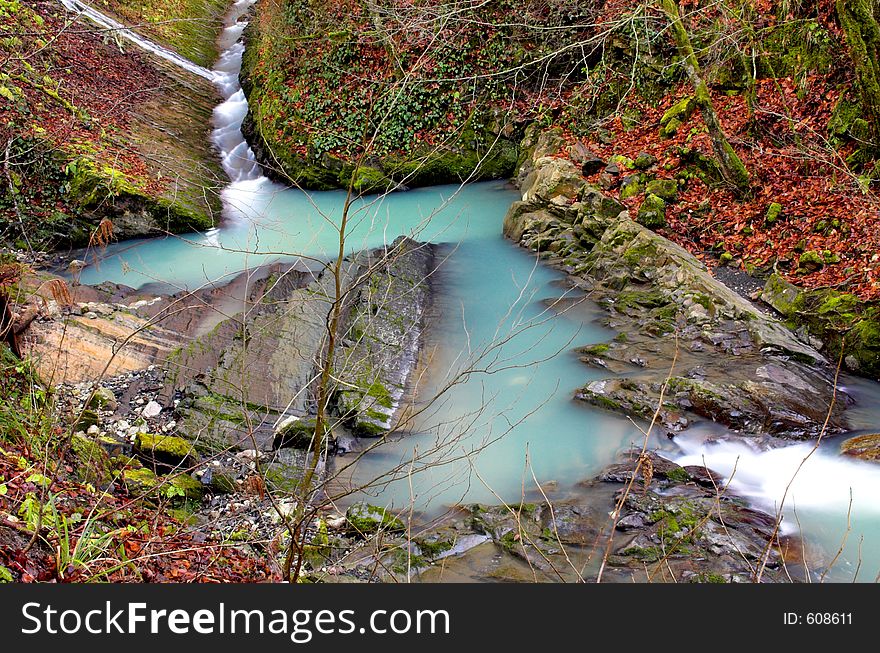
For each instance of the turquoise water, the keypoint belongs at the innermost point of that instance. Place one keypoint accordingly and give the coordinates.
(493, 317)
(510, 423)
(499, 430)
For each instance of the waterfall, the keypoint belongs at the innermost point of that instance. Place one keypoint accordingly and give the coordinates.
(236, 156)
(100, 19)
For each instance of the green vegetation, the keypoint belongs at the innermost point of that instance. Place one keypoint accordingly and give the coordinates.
(181, 25)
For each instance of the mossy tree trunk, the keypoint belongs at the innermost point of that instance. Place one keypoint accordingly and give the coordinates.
(732, 168)
(859, 20)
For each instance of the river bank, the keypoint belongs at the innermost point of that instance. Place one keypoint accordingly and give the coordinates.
(209, 405)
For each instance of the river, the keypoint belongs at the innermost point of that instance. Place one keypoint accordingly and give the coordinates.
(501, 430)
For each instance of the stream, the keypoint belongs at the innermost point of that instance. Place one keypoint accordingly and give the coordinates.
(501, 431)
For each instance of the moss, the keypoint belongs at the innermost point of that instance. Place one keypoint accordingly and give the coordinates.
(678, 475)
(630, 187)
(652, 212)
(642, 251)
(811, 261)
(596, 350)
(665, 189)
(644, 161)
(796, 49)
(642, 299)
(367, 180)
(431, 548)
(367, 519)
(602, 401)
(646, 554)
(186, 486)
(168, 449)
(675, 116)
(706, 577)
(87, 419)
(703, 300)
(622, 161)
(774, 211)
(297, 432)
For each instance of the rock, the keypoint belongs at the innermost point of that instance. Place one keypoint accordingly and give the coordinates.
(552, 177)
(296, 432)
(621, 161)
(365, 519)
(168, 450)
(676, 115)
(652, 212)
(866, 447)
(221, 480)
(249, 455)
(178, 487)
(571, 524)
(810, 262)
(630, 186)
(610, 177)
(152, 409)
(644, 161)
(774, 211)
(780, 294)
(87, 419)
(584, 157)
(665, 189)
(382, 348)
(103, 399)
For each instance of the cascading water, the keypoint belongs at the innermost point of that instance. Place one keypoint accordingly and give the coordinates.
(236, 156)
(121, 30)
(484, 279)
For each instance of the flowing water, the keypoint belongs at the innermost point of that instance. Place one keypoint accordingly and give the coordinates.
(495, 314)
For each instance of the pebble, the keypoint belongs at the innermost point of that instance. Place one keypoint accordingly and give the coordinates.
(152, 409)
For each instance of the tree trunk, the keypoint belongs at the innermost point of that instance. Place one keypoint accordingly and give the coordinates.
(7, 326)
(732, 169)
(859, 20)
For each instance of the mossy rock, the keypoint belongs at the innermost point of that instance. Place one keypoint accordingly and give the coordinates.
(89, 417)
(644, 161)
(145, 482)
(652, 212)
(367, 181)
(675, 116)
(622, 161)
(296, 432)
(866, 447)
(774, 212)
(630, 186)
(811, 261)
(103, 399)
(665, 189)
(367, 519)
(164, 449)
(223, 483)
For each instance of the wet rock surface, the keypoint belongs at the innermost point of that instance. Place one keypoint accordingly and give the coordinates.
(671, 526)
(726, 360)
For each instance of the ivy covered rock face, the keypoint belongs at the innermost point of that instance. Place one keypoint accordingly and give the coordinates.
(424, 102)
